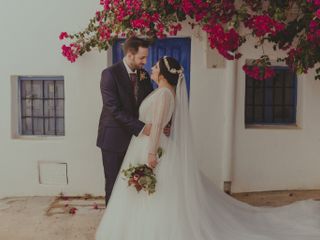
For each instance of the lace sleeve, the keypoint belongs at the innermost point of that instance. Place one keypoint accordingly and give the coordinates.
(162, 111)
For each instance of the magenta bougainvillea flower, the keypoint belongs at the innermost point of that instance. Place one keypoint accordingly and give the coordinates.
(223, 21)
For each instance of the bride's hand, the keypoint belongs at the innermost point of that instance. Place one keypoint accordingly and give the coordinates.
(152, 160)
(147, 129)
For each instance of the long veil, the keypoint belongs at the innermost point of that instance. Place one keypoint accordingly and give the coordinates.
(212, 214)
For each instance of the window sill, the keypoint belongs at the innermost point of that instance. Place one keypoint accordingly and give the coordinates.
(271, 126)
(22, 137)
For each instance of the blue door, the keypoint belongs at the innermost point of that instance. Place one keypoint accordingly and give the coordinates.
(178, 48)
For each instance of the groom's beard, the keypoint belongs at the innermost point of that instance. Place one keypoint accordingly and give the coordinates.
(136, 65)
(133, 66)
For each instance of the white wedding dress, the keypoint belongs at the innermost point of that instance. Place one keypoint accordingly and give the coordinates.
(185, 205)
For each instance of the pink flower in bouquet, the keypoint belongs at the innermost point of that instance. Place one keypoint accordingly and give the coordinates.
(135, 183)
(136, 177)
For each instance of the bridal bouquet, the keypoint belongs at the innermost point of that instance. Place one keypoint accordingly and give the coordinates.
(142, 176)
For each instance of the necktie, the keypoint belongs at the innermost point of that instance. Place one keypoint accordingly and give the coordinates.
(133, 78)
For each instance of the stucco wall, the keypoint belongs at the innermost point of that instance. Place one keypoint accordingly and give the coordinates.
(263, 159)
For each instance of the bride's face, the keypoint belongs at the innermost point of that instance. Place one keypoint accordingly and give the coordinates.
(155, 72)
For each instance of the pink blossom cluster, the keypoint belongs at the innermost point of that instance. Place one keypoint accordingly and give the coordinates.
(71, 52)
(225, 42)
(133, 12)
(197, 8)
(221, 11)
(145, 20)
(314, 32)
(63, 35)
(122, 8)
(314, 2)
(187, 6)
(160, 27)
(293, 60)
(219, 18)
(140, 23)
(258, 72)
(263, 25)
(174, 29)
(100, 15)
(104, 32)
(105, 4)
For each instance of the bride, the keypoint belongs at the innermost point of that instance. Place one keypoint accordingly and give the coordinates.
(185, 205)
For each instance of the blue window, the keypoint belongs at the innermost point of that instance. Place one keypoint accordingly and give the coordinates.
(272, 101)
(41, 105)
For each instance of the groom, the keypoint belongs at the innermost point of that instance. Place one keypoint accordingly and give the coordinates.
(123, 87)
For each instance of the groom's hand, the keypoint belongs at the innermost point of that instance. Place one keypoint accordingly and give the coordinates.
(147, 129)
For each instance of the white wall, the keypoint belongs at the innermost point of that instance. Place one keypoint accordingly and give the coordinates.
(263, 159)
(30, 46)
(278, 159)
(206, 109)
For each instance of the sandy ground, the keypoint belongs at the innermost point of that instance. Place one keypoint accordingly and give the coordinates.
(76, 218)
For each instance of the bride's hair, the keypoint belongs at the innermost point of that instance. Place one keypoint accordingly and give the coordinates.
(171, 69)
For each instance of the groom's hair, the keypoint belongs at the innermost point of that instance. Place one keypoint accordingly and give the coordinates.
(132, 44)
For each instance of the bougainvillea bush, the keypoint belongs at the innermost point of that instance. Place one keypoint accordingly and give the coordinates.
(292, 26)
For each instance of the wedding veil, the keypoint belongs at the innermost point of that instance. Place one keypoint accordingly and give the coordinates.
(211, 213)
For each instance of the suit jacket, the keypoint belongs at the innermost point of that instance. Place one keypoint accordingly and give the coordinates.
(120, 112)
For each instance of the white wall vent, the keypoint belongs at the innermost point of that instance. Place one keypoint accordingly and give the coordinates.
(53, 173)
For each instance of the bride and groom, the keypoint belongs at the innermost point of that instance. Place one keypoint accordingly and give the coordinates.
(185, 205)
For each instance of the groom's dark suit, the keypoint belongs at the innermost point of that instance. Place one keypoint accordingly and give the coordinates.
(119, 117)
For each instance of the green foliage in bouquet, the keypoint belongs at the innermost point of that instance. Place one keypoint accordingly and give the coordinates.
(142, 176)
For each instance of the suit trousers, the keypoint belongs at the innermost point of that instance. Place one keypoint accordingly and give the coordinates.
(111, 163)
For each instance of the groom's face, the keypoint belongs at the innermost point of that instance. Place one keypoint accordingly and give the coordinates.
(139, 59)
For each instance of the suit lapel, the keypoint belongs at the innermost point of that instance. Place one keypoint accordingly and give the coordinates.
(125, 81)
